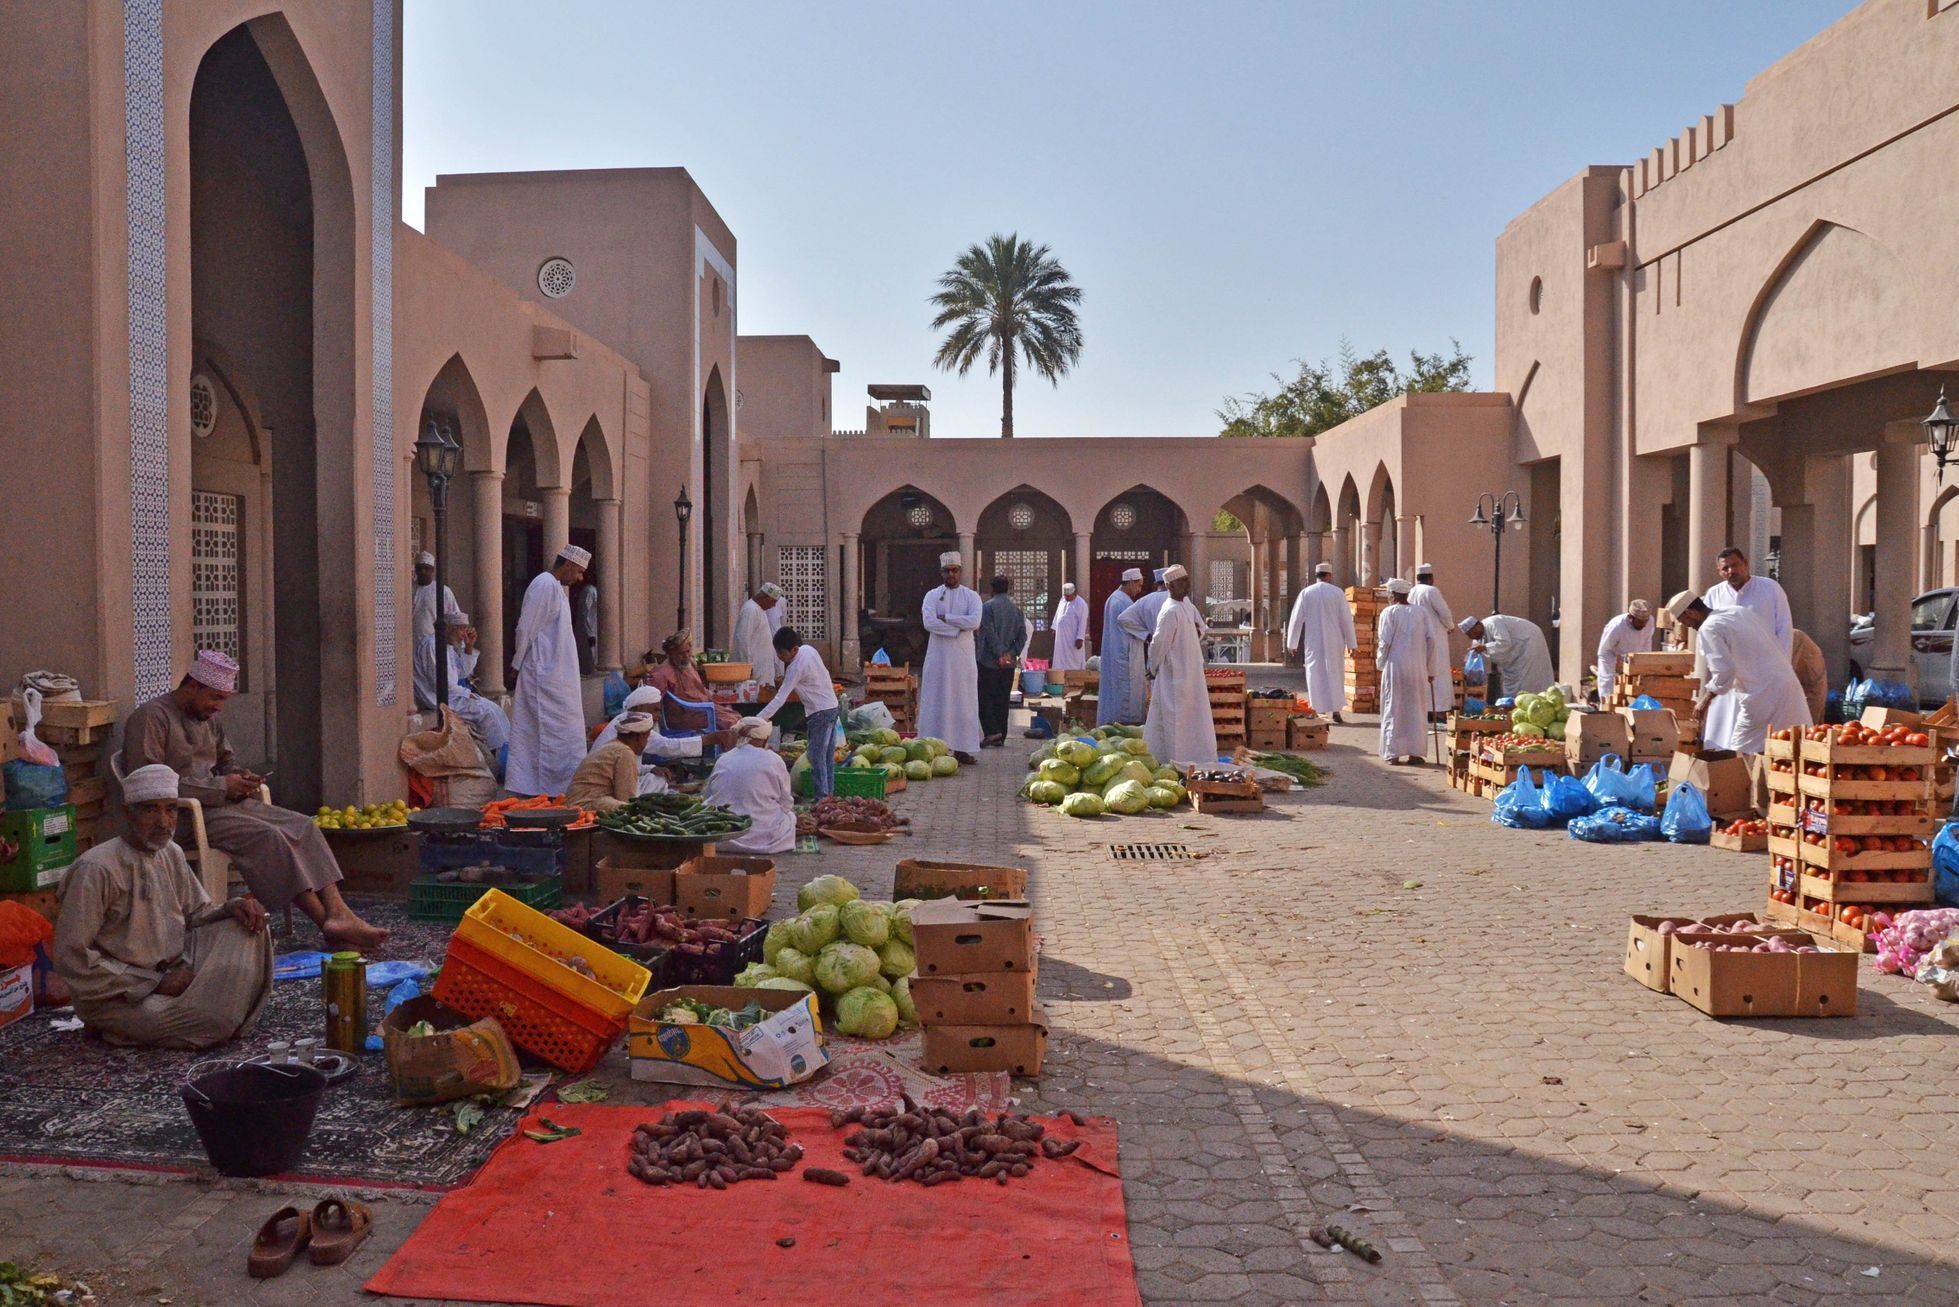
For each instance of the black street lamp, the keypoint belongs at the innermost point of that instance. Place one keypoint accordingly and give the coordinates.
(1494, 518)
(1939, 429)
(439, 457)
(683, 508)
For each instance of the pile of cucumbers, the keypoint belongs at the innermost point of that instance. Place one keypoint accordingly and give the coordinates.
(673, 817)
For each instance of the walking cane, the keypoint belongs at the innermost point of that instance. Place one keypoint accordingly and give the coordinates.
(1434, 727)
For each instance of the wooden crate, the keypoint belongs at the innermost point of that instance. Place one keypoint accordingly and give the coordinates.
(83, 715)
(1226, 797)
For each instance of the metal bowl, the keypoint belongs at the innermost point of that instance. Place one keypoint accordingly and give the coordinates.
(445, 821)
(541, 818)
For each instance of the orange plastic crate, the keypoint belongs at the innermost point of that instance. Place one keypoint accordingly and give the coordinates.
(566, 1033)
(534, 944)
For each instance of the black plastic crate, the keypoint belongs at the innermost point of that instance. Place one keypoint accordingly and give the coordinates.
(533, 854)
(647, 955)
(719, 965)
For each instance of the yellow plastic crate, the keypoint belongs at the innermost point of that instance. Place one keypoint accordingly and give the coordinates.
(539, 947)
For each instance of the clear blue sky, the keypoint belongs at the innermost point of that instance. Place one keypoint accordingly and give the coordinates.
(1233, 185)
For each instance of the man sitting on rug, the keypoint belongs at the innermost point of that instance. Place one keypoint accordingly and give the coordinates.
(280, 853)
(149, 958)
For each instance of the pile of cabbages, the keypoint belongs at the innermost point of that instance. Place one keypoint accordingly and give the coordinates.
(1911, 935)
(854, 954)
(1110, 771)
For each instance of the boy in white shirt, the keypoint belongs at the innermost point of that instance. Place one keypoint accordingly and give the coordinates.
(804, 675)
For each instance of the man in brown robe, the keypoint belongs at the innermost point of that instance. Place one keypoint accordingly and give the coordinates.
(149, 959)
(280, 853)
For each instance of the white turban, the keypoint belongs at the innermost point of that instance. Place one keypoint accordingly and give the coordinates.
(1175, 572)
(1133, 574)
(1067, 587)
(1680, 603)
(632, 723)
(573, 554)
(755, 729)
(645, 696)
(1468, 625)
(1323, 569)
(771, 589)
(1399, 587)
(952, 559)
(1639, 608)
(155, 781)
(1422, 569)
(425, 559)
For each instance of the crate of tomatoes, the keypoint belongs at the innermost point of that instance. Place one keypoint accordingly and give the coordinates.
(1743, 835)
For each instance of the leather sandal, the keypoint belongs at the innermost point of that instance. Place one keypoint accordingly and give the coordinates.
(339, 1228)
(278, 1242)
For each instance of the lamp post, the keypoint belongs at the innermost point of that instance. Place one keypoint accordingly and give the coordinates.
(1939, 429)
(1494, 518)
(683, 508)
(439, 457)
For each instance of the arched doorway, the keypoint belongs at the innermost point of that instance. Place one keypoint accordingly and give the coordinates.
(717, 502)
(903, 535)
(1269, 525)
(1346, 536)
(1941, 566)
(1025, 536)
(591, 494)
(526, 470)
(271, 275)
(453, 401)
(1140, 527)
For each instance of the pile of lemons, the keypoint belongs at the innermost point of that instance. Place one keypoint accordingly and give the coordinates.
(375, 816)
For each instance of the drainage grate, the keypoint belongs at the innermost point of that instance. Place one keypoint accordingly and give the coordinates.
(1150, 852)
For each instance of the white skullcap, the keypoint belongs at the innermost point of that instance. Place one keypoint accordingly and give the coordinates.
(1322, 569)
(215, 670)
(1639, 606)
(1423, 567)
(1158, 574)
(632, 723)
(425, 559)
(1133, 574)
(1067, 587)
(457, 618)
(1468, 624)
(757, 729)
(951, 559)
(1397, 586)
(155, 781)
(1680, 603)
(1175, 572)
(771, 589)
(645, 696)
(573, 554)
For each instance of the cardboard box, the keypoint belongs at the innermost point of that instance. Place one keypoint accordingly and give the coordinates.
(1763, 984)
(1267, 738)
(783, 1049)
(1589, 736)
(9, 732)
(951, 937)
(1722, 777)
(45, 845)
(610, 883)
(1649, 951)
(917, 878)
(623, 851)
(983, 998)
(1018, 1049)
(724, 887)
(1651, 733)
(1304, 734)
(462, 1058)
(16, 994)
(384, 863)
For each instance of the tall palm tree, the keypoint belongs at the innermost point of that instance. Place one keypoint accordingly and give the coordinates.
(1007, 293)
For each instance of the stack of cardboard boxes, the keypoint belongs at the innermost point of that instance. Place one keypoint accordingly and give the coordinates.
(1363, 677)
(977, 966)
(1227, 689)
(897, 689)
(1667, 676)
(1081, 695)
(38, 844)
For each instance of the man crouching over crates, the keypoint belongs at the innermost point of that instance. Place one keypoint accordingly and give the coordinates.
(149, 958)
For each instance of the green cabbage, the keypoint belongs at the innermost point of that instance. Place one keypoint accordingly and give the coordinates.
(1048, 792)
(865, 923)
(866, 1013)
(937, 748)
(1078, 753)
(783, 982)
(896, 959)
(815, 929)
(1133, 770)
(1040, 755)
(1082, 805)
(844, 966)
(884, 735)
(800, 783)
(779, 937)
(901, 919)
(794, 964)
(1061, 772)
(1166, 773)
(1162, 796)
(945, 765)
(917, 751)
(754, 974)
(1543, 712)
(1127, 798)
(826, 889)
(1527, 730)
(1135, 748)
(1102, 771)
(880, 982)
(907, 1010)
(918, 770)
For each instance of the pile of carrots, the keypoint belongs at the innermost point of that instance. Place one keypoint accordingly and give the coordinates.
(494, 810)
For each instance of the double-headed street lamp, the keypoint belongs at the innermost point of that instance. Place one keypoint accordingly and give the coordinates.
(439, 457)
(1495, 519)
(683, 508)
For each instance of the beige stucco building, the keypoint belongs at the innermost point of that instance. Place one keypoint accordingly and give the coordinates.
(228, 343)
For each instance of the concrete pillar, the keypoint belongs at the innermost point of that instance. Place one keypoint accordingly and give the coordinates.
(1275, 599)
(557, 519)
(1343, 556)
(486, 520)
(1298, 569)
(1199, 567)
(1370, 553)
(1928, 562)
(1256, 594)
(1648, 480)
(1897, 546)
(1707, 507)
(971, 557)
(1319, 546)
(612, 588)
(1405, 561)
(848, 652)
(755, 576)
(1080, 563)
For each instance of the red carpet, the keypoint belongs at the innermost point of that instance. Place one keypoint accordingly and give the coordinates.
(563, 1224)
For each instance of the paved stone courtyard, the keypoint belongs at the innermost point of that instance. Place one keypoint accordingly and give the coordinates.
(1368, 1005)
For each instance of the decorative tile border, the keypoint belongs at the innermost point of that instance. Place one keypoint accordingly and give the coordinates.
(149, 359)
(381, 209)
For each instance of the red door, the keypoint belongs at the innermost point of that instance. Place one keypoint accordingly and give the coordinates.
(1104, 576)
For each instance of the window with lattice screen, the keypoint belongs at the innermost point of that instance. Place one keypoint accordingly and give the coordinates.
(801, 572)
(1222, 572)
(216, 575)
(1028, 570)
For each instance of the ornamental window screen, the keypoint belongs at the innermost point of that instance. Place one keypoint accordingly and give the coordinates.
(1028, 570)
(800, 571)
(1222, 572)
(217, 618)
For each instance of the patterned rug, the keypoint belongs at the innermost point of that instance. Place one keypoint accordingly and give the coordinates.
(68, 1097)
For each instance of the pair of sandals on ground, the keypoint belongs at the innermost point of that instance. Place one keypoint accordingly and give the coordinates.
(329, 1234)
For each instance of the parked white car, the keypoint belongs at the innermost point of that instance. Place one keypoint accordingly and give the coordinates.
(1931, 642)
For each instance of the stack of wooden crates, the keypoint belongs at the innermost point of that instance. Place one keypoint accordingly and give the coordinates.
(79, 734)
(1227, 687)
(897, 689)
(1363, 677)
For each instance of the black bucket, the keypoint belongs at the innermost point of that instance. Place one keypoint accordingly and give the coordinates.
(253, 1119)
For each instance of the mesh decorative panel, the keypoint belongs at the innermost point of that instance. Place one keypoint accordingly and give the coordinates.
(801, 571)
(216, 575)
(149, 388)
(384, 465)
(1028, 570)
(1221, 575)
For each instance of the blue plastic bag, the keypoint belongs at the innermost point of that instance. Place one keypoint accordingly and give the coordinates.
(1614, 825)
(1607, 781)
(1566, 797)
(1475, 671)
(881, 658)
(1646, 703)
(1520, 805)
(615, 693)
(30, 785)
(1945, 866)
(1643, 783)
(1685, 820)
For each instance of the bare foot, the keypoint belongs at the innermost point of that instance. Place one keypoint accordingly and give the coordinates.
(350, 932)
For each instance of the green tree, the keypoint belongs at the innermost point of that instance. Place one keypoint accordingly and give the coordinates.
(1323, 395)
(1004, 295)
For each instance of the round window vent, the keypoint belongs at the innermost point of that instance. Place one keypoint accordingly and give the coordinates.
(203, 406)
(920, 516)
(1020, 516)
(1122, 517)
(556, 277)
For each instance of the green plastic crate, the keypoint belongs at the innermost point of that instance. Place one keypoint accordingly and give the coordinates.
(858, 783)
(445, 901)
(46, 837)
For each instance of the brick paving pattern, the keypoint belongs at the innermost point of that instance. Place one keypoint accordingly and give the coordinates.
(1368, 1005)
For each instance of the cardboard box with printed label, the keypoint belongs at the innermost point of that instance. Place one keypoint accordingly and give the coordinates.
(951, 937)
(784, 1048)
(16, 994)
(1750, 984)
(919, 879)
(611, 883)
(980, 998)
(724, 887)
(1722, 777)
(1652, 734)
(43, 840)
(1589, 736)
(1018, 1050)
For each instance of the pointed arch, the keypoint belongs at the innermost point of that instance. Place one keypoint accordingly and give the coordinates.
(1829, 312)
(548, 459)
(453, 393)
(597, 456)
(1319, 518)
